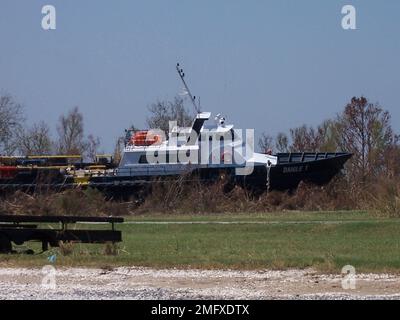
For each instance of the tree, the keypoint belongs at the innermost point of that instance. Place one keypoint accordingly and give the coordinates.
(266, 143)
(282, 142)
(35, 140)
(304, 139)
(92, 146)
(70, 133)
(164, 111)
(391, 158)
(119, 146)
(71, 139)
(364, 129)
(11, 120)
(320, 139)
(327, 136)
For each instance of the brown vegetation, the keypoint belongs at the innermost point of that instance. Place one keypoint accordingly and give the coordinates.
(71, 202)
(179, 197)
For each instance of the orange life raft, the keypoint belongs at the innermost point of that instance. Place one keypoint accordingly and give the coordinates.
(144, 138)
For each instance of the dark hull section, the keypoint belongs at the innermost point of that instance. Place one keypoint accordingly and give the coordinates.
(292, 168)
(33, 179)
(316, 168)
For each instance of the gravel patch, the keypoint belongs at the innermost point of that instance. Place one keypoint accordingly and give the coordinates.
(147, 283)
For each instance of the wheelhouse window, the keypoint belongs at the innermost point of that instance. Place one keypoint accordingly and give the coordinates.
(143, 159)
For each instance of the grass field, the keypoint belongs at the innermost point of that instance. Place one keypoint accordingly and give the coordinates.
(324, 240)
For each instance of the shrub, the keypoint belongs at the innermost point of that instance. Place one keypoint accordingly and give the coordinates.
(190, 196)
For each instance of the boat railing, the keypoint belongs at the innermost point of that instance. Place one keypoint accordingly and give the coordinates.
(139, 170)
(294, 157)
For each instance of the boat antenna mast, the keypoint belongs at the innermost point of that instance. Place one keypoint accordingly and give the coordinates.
(192, 98)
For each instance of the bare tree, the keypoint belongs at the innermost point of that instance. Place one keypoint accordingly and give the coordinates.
(304, 139)
(266, 143)
(35, 140)
(282, 142)
(327, 136)
(320, 139)
(364, 129)
(11, 120)
(391, 156)
(92, 147)
(164, 111)
(119, 146)
(70, 133)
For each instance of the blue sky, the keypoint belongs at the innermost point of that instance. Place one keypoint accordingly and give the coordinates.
(268, 65)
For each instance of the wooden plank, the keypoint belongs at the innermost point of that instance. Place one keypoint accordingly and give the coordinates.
(56, 219)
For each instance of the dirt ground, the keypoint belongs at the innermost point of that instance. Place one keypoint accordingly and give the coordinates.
(147, 283)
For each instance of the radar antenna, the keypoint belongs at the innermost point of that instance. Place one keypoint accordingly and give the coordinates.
(192, 98)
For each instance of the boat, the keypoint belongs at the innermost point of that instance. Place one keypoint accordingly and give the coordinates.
(210, 149)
